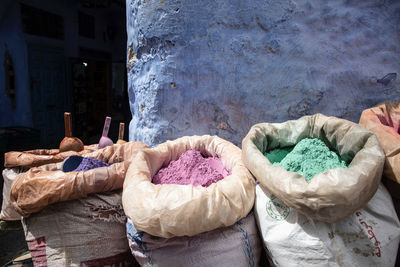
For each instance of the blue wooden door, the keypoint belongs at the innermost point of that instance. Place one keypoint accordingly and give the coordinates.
(48, 92)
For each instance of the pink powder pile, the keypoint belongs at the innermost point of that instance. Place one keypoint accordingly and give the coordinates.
(192, 168)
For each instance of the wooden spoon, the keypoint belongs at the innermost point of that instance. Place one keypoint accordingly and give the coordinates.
(121, 134)
(70, 143)
(104, 140)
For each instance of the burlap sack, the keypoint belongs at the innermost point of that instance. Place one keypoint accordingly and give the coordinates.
(169, 210)
(18, 162)
(38, 188)
(384, 120)
(84, 232)
(332, 195)
(236, 245)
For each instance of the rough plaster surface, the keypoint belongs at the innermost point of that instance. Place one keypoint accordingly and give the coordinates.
(218, 67)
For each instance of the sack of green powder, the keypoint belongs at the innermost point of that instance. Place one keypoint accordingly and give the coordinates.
(19, 162)
(384, 121)
(84, 232)
(204, 226)
(367, 237)
(41, 186)
(329, 196)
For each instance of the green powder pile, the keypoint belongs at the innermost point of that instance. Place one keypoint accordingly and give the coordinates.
(279, 154)
(309, 157)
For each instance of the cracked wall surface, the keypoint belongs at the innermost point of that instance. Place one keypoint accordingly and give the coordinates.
(218, 67)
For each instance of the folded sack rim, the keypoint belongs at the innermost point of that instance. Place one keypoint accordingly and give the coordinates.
(308, 197)
(156, 213)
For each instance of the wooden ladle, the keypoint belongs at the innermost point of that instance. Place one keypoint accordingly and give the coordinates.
(70, 143)
(121, 133)
(104, 140)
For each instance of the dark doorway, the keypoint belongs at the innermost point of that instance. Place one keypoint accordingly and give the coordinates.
(48, 92)
(91, 97)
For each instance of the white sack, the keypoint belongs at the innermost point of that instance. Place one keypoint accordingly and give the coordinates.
(368, 237)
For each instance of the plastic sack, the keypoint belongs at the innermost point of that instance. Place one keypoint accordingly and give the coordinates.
(37, 188)
(169, 210)
(384, 121)
(39, 157)
(367, 237)
(236, 245)
(17, 162)
(85, 232)
(332, 195)
(8, 212)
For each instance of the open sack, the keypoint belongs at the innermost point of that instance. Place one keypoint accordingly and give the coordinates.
(367, 237)
(41, 186)
(332, 195)
(19, 162)
(39, 157)
(168, 210)
(384, 121)
(180, 225)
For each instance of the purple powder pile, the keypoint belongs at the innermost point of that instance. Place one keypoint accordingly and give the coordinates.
(77, 164)
(192, 168)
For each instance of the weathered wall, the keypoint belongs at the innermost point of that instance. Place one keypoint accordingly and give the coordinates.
(218, 67)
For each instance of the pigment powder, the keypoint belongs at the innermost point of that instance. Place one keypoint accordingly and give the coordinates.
(77, 163)
(309, 157)
(279, 154)
(192, 168)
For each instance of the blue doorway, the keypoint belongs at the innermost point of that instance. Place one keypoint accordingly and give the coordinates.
(48, 92)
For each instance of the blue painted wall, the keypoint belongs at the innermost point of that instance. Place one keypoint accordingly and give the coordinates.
(11, 35)
(218, 67)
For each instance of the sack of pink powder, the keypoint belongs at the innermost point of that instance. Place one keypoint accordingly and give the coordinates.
(186, 188)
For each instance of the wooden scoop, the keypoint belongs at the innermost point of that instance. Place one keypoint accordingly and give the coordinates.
(104, 140)
(70, 143)
(121, 134)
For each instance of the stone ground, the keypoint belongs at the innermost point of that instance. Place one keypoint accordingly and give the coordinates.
(12, 244)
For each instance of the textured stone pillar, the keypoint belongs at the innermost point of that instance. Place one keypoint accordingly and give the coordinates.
(218, 67)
